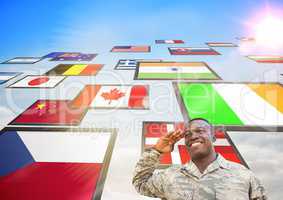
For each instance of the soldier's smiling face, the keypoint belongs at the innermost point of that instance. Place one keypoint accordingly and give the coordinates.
(199, 139)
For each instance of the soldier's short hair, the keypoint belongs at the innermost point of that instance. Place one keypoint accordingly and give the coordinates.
(203, 119)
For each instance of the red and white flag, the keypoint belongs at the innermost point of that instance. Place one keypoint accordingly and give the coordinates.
(113, 96)
(38, 82)
(180, 155)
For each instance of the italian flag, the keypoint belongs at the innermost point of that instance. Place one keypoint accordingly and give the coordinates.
(234, 104)
(174, 70)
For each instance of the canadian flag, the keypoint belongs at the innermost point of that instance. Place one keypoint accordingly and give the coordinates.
(113, 96)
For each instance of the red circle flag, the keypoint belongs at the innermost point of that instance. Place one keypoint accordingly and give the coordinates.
(38, 81)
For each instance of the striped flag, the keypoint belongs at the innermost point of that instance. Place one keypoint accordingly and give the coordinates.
(266, 59)
(75, 70)
(131, 49)
(112, 96)
(60, 164)
(221, 44)
(169, 41)
(240, 104)
(192, 51)
(131, 64)
(6, 76)
(175, 70)
(180, 155)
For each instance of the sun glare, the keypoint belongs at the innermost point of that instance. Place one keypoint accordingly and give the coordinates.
(269, 31)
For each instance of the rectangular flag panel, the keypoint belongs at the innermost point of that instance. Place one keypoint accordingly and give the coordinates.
(23, 60)
(262, 151)
(6, 76)
(38, 82)
(246, 39)
(113, 97)
(152, 131)
(75, 70)
(232, 104)
(50, 112)
(221, 44)
(192, 51)
(266, 58)
(174, 71)
(59, 163)
(58, 53)
(131, 49)
(70, 56)
(169, 41)
(131, 64)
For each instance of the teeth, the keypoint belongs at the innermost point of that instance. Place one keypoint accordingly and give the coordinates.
(196, 143)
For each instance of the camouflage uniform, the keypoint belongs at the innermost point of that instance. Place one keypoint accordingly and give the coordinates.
(222, 180)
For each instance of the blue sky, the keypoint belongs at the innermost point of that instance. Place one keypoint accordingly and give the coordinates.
(34, 27)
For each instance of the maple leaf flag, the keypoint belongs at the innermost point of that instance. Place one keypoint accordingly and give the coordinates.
(113, 96)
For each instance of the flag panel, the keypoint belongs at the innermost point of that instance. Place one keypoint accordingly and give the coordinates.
(169, 41)
(231, 104)
(6, 76)
(38, 82)
(75, 70)
(153, 130)
(67, 164)
(131, 64)
(221, 44)
(192, 51)
(23, 60)
(66, 56)
(50, 112)
(113, 97)
(131, 49)
(266, 58)
(174, 70)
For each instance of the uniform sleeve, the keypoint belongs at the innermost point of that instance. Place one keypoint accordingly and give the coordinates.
(147, 180)
(257, 191)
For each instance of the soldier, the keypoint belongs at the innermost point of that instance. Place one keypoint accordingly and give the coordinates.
(207, 176)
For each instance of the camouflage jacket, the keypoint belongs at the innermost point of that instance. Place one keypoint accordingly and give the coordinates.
(222, 180)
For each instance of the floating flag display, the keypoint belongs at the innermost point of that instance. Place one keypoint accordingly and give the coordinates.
(54, 164)
(131, 64)
(75, 70)
(6, 76)
(56, 54)
(221, 44)
(38, 82)
(266, 59)
(152, 131)
(192, 51)
(174, 70)
(131, 49)
(70, 56)
(23, 60)
(113, 97)
(233, 104)
(50, 112)
(169, 41)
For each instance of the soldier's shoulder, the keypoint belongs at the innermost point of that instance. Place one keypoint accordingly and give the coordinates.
(238, 168)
